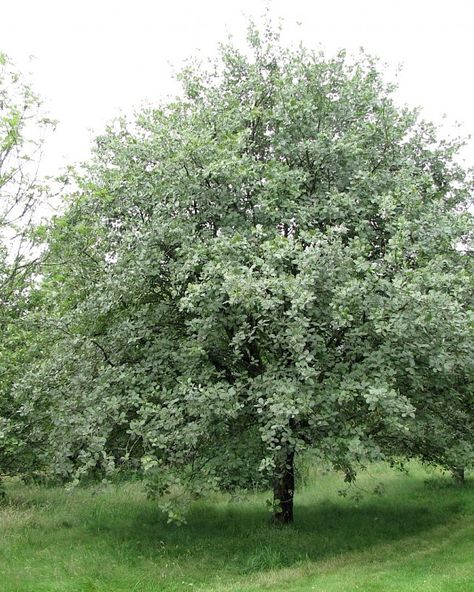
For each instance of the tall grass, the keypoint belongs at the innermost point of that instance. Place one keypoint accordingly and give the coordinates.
(419, 535)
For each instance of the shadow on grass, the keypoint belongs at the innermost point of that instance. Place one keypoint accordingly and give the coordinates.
(238, 538)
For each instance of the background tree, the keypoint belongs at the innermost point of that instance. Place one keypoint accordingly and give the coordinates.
(265, 265)
(22, 130)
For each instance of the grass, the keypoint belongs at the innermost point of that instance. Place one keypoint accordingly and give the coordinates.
(418, 536)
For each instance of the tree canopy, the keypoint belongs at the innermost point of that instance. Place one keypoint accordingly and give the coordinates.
(272, 262)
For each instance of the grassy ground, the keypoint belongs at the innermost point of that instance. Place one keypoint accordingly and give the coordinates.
(419, 536)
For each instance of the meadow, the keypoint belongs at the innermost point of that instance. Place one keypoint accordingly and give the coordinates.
(417, 536)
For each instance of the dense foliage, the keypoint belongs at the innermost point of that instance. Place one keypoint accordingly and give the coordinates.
(273, 262)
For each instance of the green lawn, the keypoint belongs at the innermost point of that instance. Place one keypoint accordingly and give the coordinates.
(419, 536)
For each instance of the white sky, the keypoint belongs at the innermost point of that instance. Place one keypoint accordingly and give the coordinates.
(94, 59)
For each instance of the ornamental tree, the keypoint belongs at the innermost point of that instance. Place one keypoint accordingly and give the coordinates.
(271, 262)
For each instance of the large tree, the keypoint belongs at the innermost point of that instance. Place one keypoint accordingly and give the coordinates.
(270, 263)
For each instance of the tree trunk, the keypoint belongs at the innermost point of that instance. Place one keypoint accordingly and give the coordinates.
(283, 489)
(458, 474)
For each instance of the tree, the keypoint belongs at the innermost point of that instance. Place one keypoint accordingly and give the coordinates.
(22, 130)
(268, 264)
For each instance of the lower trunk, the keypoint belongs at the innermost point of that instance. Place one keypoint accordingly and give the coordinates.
(458, 474)
(283, 489)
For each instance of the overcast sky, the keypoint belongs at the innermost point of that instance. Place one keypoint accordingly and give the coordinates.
(95, 59)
